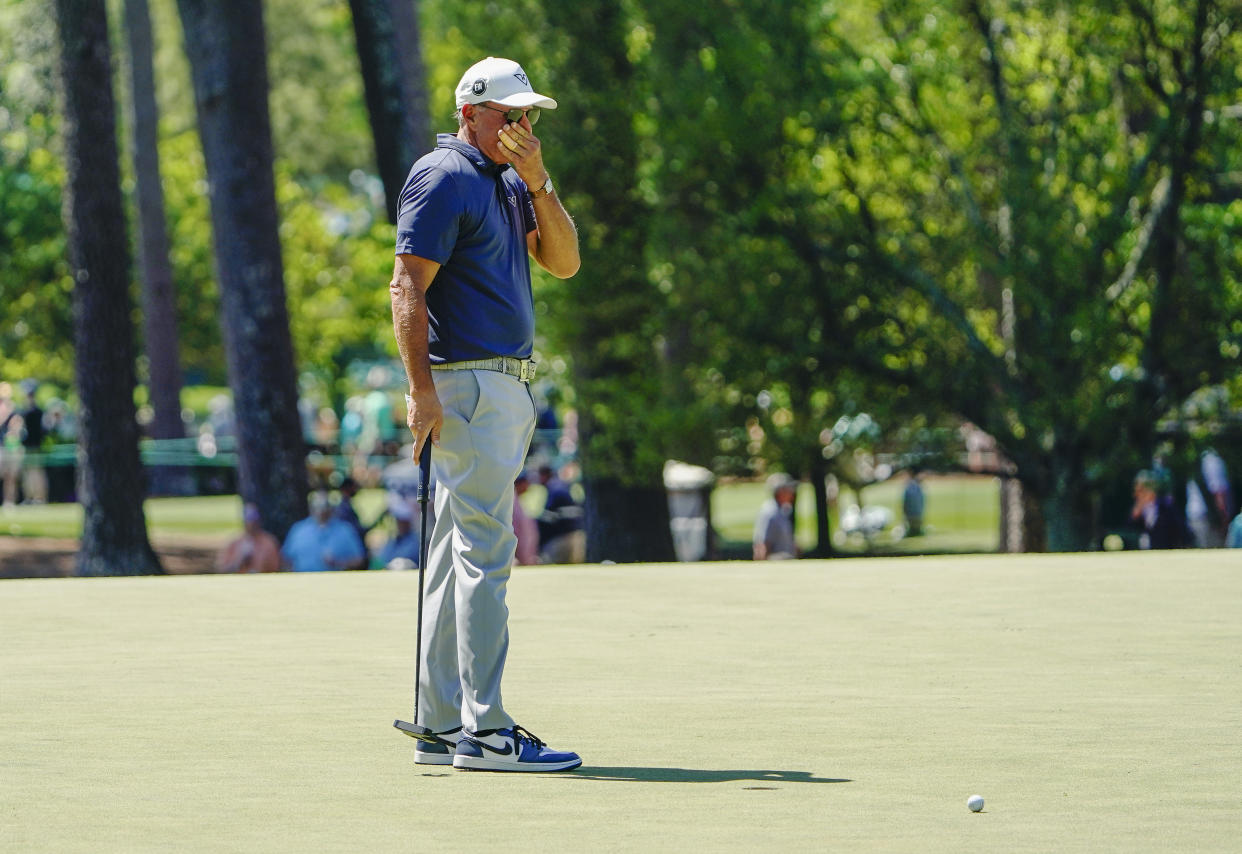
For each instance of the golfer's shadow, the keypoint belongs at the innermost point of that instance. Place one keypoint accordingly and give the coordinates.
(695, 775)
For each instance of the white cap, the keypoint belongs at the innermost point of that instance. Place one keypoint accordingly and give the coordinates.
(781, 480)
(502, 81)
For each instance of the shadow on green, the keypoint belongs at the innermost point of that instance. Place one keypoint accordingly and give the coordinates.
(694, 775)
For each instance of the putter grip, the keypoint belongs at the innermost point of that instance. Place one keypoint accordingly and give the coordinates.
(424, 470)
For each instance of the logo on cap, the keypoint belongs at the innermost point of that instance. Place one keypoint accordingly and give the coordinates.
(520, 76)
(479, 87)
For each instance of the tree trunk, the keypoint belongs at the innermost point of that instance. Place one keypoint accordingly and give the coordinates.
(386, 33)
(626, 524)
(414, 76)
(1034, 527)
(611, 301)
(114, 533)
(823, 527)
(1012, 516)
(227, 50)
(1066, 510)
(158, 292)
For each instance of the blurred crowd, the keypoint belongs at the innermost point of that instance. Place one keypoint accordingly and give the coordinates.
(367, 435)
(357, 436)
(1207, 518)
(28, 431)
(334, 537)
(360, 445)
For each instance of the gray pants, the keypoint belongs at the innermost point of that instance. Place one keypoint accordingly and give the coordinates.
(489, 419)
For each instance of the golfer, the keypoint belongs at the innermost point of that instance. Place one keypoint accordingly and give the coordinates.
(470, 213)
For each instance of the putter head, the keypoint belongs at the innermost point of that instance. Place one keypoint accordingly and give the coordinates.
(416, 731)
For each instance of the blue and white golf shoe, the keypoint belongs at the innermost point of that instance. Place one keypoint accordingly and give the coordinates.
(439, 753)
(510, 749)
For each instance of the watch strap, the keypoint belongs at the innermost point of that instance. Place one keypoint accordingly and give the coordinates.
(545, 190)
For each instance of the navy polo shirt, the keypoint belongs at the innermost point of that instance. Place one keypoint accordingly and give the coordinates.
(471, 216)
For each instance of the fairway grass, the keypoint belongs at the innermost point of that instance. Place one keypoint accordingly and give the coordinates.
(963, 516)
(1095, 701)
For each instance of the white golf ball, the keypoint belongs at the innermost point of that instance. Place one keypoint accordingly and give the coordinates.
(975, 802)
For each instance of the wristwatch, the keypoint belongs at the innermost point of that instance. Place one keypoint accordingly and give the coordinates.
(545, 190)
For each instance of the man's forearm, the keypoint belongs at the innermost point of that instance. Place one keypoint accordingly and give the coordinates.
(409, 322)
(558, 237)
(411, 278)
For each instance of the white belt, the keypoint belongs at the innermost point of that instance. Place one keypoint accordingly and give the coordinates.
(523, 369)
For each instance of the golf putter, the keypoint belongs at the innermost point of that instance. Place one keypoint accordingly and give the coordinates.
(424, 477)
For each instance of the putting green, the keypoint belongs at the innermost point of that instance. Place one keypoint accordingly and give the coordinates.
(1095, 701)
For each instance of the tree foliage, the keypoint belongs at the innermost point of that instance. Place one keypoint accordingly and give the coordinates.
(1024, 177)
(36, 325)
(1023, 213)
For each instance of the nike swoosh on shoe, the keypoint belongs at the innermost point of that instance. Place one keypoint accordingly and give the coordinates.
(508, 750)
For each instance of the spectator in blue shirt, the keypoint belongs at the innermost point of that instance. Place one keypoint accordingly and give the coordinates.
(404, 543)
(320, 543)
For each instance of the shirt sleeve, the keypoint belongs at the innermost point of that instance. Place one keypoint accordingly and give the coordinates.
(429, 215)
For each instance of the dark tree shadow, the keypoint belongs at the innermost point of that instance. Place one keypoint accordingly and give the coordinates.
(693, 775)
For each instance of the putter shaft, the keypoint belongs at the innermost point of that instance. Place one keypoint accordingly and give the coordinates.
(415, 730)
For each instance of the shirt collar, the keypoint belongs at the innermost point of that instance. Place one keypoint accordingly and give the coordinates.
(468, 151)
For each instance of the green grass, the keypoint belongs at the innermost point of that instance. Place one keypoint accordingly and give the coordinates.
(198, 398)
(211, 514)
(963, 515)
(1093, 700)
